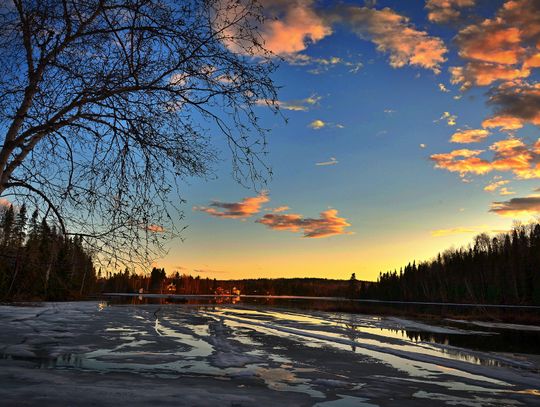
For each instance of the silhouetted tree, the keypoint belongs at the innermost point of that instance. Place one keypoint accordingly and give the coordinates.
(38, 262)
(501, 270)
(156, 278)
(353, 286)
(105, 105)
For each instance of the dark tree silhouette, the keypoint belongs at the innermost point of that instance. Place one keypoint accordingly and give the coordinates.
(501, 270)
(38, 262)
(353, 286)
(106, 104)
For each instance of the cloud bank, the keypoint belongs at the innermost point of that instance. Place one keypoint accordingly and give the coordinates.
(292, 25)
(328, 223)
(509, 155)
(527, 206)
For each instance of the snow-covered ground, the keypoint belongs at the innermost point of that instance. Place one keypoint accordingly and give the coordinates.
(89, 353)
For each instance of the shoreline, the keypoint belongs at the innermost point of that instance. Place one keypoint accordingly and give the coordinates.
(427, 311)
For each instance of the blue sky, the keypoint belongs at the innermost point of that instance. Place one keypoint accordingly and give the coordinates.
(377, 132)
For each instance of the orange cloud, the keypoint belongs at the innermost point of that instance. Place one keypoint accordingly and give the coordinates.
(328, 224)
(509, 155)
(489, 41)
(533, 61)
(236, 210)
(514, 155)
(500, 48)
(441, 11)
(493, 186)
(288, 28)
(291, 25)
(517, 207)
(278, 209)
(462, 161)
(503, 122)
(155, 228)
(469, 136)
(506, 191)
(485, 73)
(296, 25)
(392, 33)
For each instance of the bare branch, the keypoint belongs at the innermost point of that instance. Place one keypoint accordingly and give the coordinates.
(106, 106)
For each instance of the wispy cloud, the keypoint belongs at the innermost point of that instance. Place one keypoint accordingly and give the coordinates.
(443, 88)
(209, 271)
(319, 124)
(328, 224)
(320, 65)
(517, 207)
(506, 191)
(469, 136)
(278, 209)
(392, 33)
(448, 117)
(300, 105)
(235, 210)
(459, 230)
(442, 11)
(494, 185)
(332, 161)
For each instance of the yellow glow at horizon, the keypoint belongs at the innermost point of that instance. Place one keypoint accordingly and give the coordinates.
(338, 261)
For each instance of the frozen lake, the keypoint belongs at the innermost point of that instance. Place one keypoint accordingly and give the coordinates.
(93, 353)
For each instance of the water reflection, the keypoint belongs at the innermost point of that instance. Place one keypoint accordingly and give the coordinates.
(499, 340)
(352, 326)
(286, 349)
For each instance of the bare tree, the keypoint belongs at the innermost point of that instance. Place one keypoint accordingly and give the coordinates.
(106, 104)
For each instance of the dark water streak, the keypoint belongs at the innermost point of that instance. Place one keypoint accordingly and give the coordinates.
(495, 339)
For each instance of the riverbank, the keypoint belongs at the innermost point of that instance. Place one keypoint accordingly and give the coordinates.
(508, 314)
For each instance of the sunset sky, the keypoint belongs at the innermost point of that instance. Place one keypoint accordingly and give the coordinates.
(411, 128)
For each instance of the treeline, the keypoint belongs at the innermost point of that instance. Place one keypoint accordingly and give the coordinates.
(501, 270)
(158, 282)
(38, 262)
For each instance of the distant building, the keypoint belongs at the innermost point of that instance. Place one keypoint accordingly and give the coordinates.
(220, 291)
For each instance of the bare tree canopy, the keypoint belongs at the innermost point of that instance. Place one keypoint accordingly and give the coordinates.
(106, 104)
